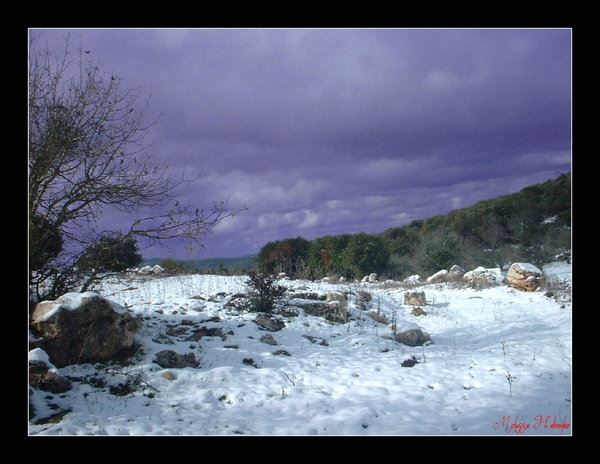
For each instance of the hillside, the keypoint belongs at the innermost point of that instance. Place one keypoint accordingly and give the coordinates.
(532, 225)
(241, 262)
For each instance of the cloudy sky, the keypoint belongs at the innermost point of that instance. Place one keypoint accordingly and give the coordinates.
(334, 131)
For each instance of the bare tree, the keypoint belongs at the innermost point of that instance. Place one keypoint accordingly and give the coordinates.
(87, 152)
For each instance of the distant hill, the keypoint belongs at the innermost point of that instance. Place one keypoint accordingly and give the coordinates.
(532, 225)
(242, 262)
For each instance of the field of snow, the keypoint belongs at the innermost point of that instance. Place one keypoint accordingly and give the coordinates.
(353, 386)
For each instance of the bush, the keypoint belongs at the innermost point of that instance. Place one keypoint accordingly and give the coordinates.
(365, 254)
(173, 266)
(283, 256)
(111, 253)
(264, 294)
(45, 242)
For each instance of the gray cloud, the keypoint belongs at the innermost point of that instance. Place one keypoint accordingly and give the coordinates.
(334, 131)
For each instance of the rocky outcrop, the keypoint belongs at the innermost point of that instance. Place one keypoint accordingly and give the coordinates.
(524, 276)
(412, 337)
(82, 328)
(414, 298)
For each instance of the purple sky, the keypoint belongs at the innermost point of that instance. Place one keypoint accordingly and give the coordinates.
(344, 130)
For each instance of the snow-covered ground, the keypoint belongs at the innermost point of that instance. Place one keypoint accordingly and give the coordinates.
(354, 386)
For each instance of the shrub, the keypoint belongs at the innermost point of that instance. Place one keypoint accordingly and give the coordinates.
(173, 266)
(45, 242)
(283, 256)
(263, 292)
(111, 253)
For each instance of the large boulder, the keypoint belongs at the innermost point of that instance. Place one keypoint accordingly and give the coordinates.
(414, 298)
(156, 269)
(439, 277)
(412, 337)
(524, 276)
(83, 328)
(332, 311)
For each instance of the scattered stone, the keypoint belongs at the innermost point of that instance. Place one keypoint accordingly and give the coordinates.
(286, 312)
(122, 389)
(199, 333)
(482, 278)
(175, 331)
(414, 279)
(439, 277)
(213, 319)
(418, 312)
(342, 280)
(197, 297)
(377, 317)
(187, 322)
(337, 296)
(169, 375)
(409, 362)
(524, 276)
(281, 275)
(269, 323)
(373, 277)
(42, 378)
(361, 304)
(268, 339)
(281, 353)
(456, 273)
(83, 328)
(414, 298)
(304, 296)
(162, 339)
(365, 279)
(168, 359)
(156, 269)
(332, 311)
(318, 340)
(364, 295)
(412, 337)
(250, 362)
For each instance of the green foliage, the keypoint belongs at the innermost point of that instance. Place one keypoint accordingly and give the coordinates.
(173, 266)
(365, 254)
(111, 253)
(264, 293)
(286, 256)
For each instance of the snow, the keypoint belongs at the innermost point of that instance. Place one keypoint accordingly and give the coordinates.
(72, 301)
(37, 354)
(413, 279)
(353, 386)
(526, 267)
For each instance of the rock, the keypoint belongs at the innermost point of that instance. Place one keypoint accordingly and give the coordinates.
(331, 311)
(145, 270)
(281, 275)
(168, 359)
(285, 312)
(187, 322)
(281, 353)
(319, 340)
(156, 269)
(418, 312)
(249, 362)
(409, 362)
(326, 279)
(268, 339)
(414, 279)
(364, 295)
(414, 298)
(304, 295)
(481, 277)
(412, 337)
(456, 273)
(342, 280)
(377, 317)
(204, 331)
(83, 328)
(365, 279)
(42, 378)
(390, 282)
(373, 277)
(524, 276)
(169, 375)
(339, 297)
(439, 277)
(361, 304)
(269, 323)
(175, 331)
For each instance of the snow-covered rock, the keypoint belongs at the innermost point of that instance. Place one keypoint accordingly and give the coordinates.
(456, 273)
(83, 327)
(281, 275)
(156, 269)
(145, 270)
(373, 277)
(414, 298)
(342, 280)
(414, 279)
(339, 297)
(43, 375)
(524, 276)
(438, 277)
(482, 277)
(412, 337)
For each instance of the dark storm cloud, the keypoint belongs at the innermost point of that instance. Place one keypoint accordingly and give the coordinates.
(332, 131)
